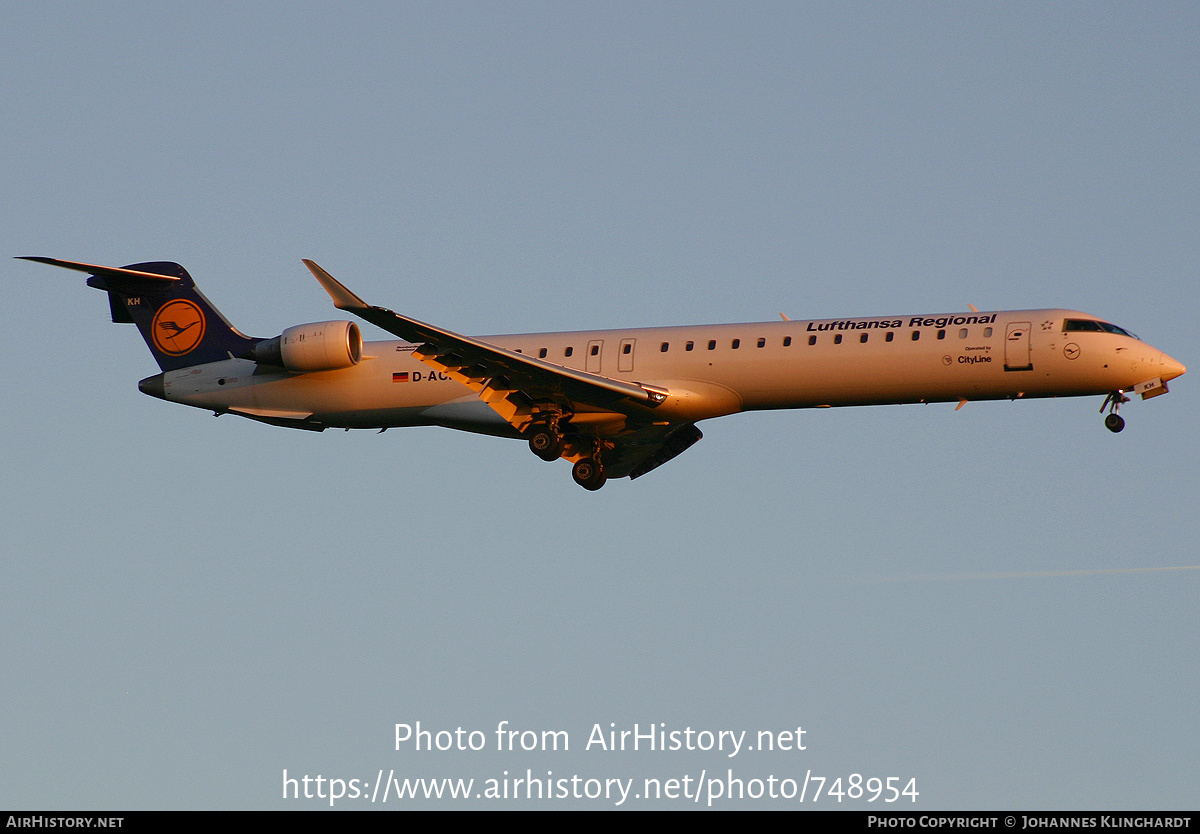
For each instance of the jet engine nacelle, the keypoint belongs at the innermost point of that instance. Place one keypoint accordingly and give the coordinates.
(321, 346)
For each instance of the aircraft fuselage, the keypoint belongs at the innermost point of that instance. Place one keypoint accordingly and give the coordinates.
(615, 403)
(714, 370)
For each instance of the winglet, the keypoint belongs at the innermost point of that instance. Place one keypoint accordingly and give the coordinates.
(343, 299)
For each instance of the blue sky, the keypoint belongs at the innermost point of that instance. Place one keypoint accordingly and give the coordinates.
(972, 599)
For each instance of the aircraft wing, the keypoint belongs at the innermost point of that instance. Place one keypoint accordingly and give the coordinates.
(510, 382)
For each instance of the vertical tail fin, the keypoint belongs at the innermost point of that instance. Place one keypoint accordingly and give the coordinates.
(180, 325)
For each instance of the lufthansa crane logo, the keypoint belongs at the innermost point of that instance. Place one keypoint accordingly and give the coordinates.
(178, 327)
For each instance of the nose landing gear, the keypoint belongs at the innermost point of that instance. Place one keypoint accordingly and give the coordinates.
(1114, 422)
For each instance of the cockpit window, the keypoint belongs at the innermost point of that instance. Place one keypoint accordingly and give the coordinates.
(1094, 326)
(1120, 331)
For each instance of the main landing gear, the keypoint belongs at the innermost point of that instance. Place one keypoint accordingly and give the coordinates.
(589, 474)
(546, 438)
(1114, 422)
(547, 441)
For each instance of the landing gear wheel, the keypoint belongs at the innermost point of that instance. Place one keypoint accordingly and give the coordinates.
(589, 474)
(1114, 422)
(546, 444)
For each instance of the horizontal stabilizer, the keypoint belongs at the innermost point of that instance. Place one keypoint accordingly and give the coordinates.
(104, 271)
(180, 325)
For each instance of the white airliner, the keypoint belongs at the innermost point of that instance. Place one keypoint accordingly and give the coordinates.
(615, 403)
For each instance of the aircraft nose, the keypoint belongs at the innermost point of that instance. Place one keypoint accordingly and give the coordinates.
(1171, 368)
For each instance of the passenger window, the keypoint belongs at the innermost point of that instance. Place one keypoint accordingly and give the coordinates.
(863, 338)
(837, 340)
(712, 344)
(626, 349)
(542, 353)
(787, 341)
(812, 340)
(762, 342)
(890, 335)
(568, 351)
(941, 334)
(735, 344)
(987, 332)
(689, 346)
(916, 335)
(665, 346)
(962, 334)
(595, 350)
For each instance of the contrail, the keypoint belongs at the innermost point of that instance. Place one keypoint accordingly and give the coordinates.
(952, 577)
